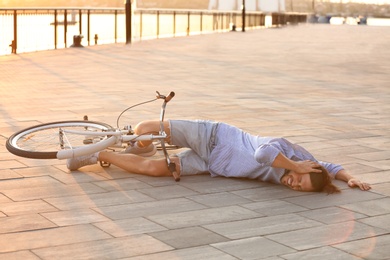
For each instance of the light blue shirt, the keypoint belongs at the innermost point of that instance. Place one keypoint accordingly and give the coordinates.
(240, 154)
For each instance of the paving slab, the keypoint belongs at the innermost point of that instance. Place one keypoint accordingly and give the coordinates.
(117, 212)
(274, 207)
(20, 255)
(74, 217)
(24, 223)
(327, 235)
(8, 174)
(125, 184)
(188, 237)
(253, 248)
(370, 208)
(28, 240)
(382, 221)
(324, 87)
(220, 184)
(193, 253)
(382, 188)
(115, 248)
(219, 199)
(369, 248)
(98, 200)
(128, 227)
(321, 253)
(262, 226)
(315, 201)
(203, 217)
(331, 215)
(51, 191)
(168, 192)
(26, 207)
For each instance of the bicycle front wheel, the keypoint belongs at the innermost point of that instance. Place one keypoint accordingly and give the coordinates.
(45, 140)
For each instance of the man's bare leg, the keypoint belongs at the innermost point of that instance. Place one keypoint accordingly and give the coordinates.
(139, 165)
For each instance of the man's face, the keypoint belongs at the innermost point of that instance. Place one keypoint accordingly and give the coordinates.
(299, 182)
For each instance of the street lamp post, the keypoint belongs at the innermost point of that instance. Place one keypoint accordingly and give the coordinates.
(128, 21)
(243, 15)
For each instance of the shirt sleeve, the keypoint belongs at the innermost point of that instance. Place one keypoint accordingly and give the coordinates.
(332, 168)
(265, 154)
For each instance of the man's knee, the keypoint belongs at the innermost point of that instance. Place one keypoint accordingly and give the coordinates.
(147, 127)
(152, 127)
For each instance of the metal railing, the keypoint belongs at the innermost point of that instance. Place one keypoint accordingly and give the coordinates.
(27, 30)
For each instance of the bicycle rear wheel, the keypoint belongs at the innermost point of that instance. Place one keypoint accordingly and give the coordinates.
(45, 140)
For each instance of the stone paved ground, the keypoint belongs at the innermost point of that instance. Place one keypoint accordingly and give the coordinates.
(324, 87)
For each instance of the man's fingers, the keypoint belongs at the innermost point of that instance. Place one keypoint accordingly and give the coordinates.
(361, 185)
(365, 186)
(316, 167)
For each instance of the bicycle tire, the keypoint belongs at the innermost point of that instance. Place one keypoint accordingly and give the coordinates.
(42, 141)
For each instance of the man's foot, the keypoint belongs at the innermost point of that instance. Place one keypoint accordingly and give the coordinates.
(78, 162)
(147, 151)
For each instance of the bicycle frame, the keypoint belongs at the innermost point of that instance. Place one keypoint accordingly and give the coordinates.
(115, 139)
(121, 136)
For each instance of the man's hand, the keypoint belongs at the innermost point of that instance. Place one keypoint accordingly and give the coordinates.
(300, 167)
(352, 181)
(357, 183)
(307, 166)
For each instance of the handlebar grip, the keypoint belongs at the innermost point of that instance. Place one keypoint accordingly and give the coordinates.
(170, 96)
(172, 169)
(176, 176)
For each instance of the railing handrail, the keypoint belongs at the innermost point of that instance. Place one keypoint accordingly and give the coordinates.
(161, 10)
(149, 10)
(59, 8)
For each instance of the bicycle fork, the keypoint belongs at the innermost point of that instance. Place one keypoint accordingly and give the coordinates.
(171, 165)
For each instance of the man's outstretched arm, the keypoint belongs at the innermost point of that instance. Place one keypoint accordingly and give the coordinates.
(343, 175)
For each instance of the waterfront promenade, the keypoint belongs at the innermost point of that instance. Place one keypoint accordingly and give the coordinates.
(324, 87)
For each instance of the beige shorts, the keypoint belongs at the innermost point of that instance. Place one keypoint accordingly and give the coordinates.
(199, 137)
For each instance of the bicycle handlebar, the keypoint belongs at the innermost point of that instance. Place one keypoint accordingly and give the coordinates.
(169, 97)
(166, 98)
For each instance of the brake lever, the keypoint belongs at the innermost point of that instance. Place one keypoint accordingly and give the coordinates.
(159, 96)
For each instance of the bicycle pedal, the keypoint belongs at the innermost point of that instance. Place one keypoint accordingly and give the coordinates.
(88, 141)
(105, 164)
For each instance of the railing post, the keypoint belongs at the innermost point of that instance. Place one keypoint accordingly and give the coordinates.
(174, 23)
(243, 15)
(65, 25)
(222, 15)
(128, 21)
(80, 24)
(140, 25)
(188, 24)
(88, 26)
(116, 25)
(14, 43)
(55, 29)
(158, 24)
(201, 22)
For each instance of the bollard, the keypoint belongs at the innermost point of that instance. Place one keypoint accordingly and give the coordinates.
(232, 27)
(13, 47)
(96, 39)
(77, 41)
